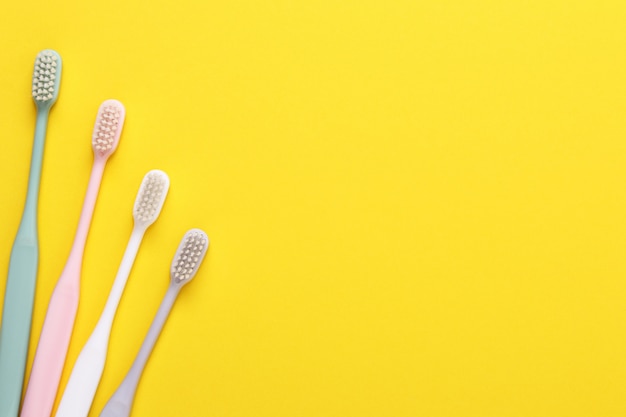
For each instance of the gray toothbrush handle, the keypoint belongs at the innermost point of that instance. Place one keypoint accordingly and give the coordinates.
(121, 402)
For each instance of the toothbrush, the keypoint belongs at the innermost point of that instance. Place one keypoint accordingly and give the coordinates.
(20, 287)
(85, 377)
(186, 262)
(57, 327)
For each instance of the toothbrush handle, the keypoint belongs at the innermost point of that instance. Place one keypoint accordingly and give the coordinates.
(52, 347)
(59, 322)
(20, 287)
(121, 402)
(83, 383)
(16, 323)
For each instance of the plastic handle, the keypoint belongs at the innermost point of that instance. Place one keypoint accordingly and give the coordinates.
(59, 322)
(83, 383)
(20, 287)
(16, 323)
(121, 402)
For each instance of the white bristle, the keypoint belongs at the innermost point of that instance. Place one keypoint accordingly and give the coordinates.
(189, 256)
(46, 77)
(108, 127)
(151, 197)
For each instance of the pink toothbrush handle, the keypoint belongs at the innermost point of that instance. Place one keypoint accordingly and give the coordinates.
(53, 344)
(59, 322)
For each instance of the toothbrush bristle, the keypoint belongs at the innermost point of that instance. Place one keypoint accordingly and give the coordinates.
(151, 196)
(109, 123)
(46, 77)
(189, 256)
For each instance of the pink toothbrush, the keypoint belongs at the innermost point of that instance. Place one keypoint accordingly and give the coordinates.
(59, 322)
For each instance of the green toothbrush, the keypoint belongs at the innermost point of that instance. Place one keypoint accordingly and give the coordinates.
(20, 287)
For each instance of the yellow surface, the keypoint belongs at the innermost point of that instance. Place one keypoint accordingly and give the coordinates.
(417, 208)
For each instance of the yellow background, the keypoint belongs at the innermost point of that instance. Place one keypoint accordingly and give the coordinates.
(416, 208)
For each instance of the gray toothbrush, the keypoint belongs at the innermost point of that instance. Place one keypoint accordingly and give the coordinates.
(186, 262)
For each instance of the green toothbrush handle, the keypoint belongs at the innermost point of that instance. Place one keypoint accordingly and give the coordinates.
(16, 323)
(20, 287)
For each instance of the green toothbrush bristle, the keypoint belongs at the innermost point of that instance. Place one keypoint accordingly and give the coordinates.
(45, 77)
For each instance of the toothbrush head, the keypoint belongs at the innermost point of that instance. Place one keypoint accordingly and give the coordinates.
(151, 197)
(189, 256)
(108, 128)
(46, 78)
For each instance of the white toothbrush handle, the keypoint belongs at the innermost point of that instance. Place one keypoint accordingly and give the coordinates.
(83, 383)
(121, 402)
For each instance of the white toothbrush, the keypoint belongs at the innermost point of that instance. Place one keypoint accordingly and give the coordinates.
(186, 262)
(83, 383)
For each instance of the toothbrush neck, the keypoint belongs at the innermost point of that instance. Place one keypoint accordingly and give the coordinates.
(123, 272)
(134, 374)
(86, 214)
(34, 178)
